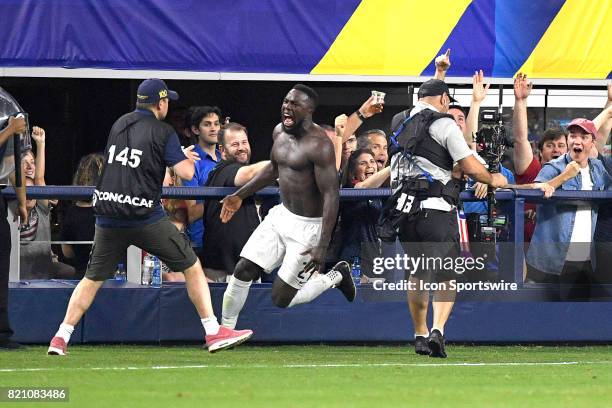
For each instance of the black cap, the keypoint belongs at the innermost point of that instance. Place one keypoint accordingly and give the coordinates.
(434, 87)
(152, 90)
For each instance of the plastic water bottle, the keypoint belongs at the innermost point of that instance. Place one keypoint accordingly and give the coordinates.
(148, 265)
(121, 275)
(156, 279)
(356, 271)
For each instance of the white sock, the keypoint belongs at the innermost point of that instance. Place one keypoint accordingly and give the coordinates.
(315, 286)
(65, 331)
(439, 329)
(426, 335)
(211, 325)
(233, 300)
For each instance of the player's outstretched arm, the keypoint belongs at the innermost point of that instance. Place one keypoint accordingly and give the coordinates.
(265, 177)
(247, 173)
(233, 202)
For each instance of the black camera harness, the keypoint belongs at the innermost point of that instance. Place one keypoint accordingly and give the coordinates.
(405, 202)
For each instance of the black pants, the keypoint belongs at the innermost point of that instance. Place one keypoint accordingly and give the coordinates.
(572, 284)
(5, 263)
(603, 272)
(432, 235)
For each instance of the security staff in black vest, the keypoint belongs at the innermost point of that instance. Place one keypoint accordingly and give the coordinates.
(129, 212)
(12, 127)
(429, 142)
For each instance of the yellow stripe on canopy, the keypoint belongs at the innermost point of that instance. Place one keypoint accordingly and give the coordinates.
(387, 37)
(577, 44)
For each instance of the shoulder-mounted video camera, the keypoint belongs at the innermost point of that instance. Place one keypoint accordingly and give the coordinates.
(10, 107)
(21, 142)
(490, 140)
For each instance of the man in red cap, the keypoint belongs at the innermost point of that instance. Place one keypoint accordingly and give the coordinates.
(560, 250)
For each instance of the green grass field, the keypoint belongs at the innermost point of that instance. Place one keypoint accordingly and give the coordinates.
(316, 376)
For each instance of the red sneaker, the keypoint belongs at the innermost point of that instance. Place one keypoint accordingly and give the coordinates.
(226, 338)
(57, 347)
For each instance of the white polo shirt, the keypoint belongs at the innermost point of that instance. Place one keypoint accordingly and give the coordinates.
(448, 135)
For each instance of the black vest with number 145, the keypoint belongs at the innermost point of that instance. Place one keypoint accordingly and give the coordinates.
(131, 182)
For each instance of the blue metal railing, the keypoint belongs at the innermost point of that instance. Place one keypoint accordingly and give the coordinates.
(511, 201)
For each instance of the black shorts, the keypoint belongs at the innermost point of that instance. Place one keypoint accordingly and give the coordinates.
(160, 238)
(433, 236)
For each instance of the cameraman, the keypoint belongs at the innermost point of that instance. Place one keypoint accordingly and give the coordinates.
(431, 143)
(15, 125)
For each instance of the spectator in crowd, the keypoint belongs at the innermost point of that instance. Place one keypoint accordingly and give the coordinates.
(78, 221)
(224, 241)
(479, 93)
(560, 250)
(7, 161)
(603, 236)
(459, 114)
(28, 164)
(346, 126)
(442, 64)
(336, 141)
(376, 141)
(360, 218)
(603, 230)
(552, 145)
(205, 125)
(176, 210)
(37, 261)
(179, 118)
(350, 143)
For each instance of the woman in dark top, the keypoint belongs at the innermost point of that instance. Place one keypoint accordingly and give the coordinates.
(358, 218)
(79, 221)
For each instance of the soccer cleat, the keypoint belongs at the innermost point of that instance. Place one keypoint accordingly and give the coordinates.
(436, 344)
(58, 347)
(346, 285)
(421, 346)
(226, 338)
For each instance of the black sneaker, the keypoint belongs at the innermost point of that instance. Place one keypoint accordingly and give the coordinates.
(10, 345)
(346, 286)
(436, 344)
(421, 346)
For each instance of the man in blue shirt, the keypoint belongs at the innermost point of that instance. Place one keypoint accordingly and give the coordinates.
(205, 125)
(560, 250)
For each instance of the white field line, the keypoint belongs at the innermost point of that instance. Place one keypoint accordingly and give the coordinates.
(340, 365)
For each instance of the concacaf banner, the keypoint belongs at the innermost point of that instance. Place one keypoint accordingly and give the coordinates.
(566, 39)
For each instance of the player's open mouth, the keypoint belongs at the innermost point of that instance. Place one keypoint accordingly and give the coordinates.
(555, 156)
(578, 150)
(288, 120)
(381, 163)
